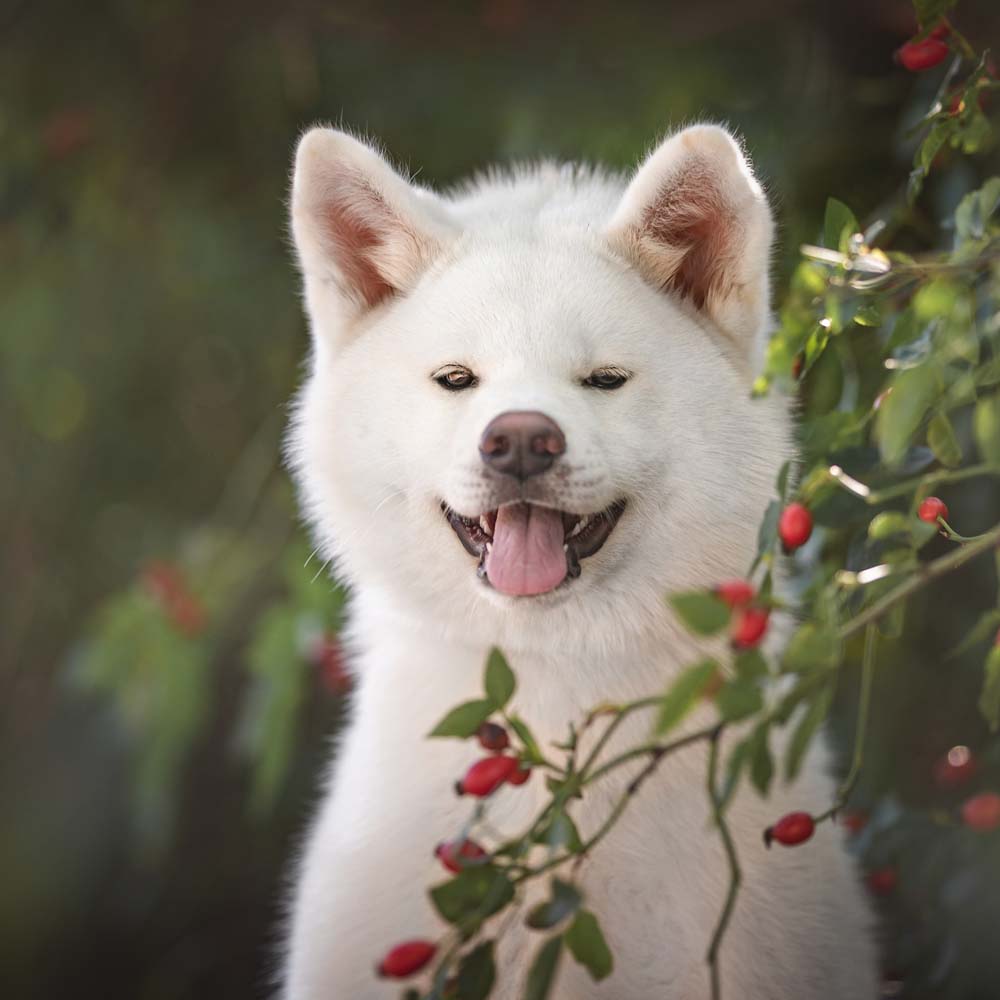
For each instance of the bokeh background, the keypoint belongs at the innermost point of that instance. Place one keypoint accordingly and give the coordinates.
(167, 645)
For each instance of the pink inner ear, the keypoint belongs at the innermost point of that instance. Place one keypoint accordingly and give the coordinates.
(691, 216)
(357, 220)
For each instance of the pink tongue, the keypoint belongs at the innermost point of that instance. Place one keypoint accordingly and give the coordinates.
(527, 554)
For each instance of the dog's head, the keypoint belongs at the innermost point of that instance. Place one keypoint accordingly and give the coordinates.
(535, 392)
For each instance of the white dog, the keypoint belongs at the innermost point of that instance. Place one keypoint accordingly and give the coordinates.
(527, 420)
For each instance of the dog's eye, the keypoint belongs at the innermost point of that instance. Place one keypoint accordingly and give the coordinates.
(454, 378)
(606, 378)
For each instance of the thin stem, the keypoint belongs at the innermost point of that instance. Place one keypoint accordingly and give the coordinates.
(735, 874)
(656, 753)
(860, 734)
(950, 533)
(875, 497)
(660, 749)
(622, 712)
(923, 576)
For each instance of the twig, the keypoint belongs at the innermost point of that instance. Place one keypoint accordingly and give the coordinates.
(924, 575)
(735, 874)
(864, 708)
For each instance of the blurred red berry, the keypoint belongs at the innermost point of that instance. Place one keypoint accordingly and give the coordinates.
(798, 363)
(161, 580)
(924, 54)
(941, 30)
(882, 881)
(735, 593)
(795, 828)
(329, 659)
(456, 854)
(187, 613)
(794, 526)
(165, 584)
(486, 776)
(931, 509)
(406, 959)
(67, 131)
(955, 768)
(982, 812)
(492, 737)
(748, 627)
(854, 822)
(519, 775)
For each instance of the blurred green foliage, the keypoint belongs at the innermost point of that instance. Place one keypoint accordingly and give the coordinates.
(150, 337)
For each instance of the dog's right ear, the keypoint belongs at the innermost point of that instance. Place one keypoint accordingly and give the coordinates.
(359, 227)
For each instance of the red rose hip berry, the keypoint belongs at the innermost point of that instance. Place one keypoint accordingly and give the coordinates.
(457, 854)
(924, 54)
(982, 812)
(794, 526)
(955, 768)
(882, 881)
(406, 959)
(492, 737)
(931, 509)
(795, 828)
(519, 775)
(735, 593)
(854, 822)
(486, 776)
(748, 627)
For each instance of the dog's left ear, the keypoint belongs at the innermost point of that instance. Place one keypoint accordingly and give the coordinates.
(695, 222)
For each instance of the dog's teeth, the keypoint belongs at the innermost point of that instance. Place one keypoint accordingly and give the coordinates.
(484, 524)
(489, 547)
(565, 547)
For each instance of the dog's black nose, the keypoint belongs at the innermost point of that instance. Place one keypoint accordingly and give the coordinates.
(521, 443)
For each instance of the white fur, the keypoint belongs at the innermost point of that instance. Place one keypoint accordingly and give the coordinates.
(532, 280)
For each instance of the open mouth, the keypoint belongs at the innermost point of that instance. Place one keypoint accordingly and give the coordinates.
(526, 549)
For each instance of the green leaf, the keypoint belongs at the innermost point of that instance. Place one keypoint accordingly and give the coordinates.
(975, 211)
(986, 428)
(542, 974)
(868, 315)
(989, 699)
(839, 224)
(890, 625)
(816, 711)
(903, 410)
(761, 761)
(564, 900)
(476, 973)
(585, 941)
(527, 738)
(683, 693)
(811, 647)
(750, 664)
(701, 611)
(560, 831)
(928, 11)
(472, 895)
(942, 441)
(734, 768)
(739, 699)
(499, 679)
(782, 484)
(985, 628)
(767, 534)
(889, 523)
(463, 721)
(905, 330)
